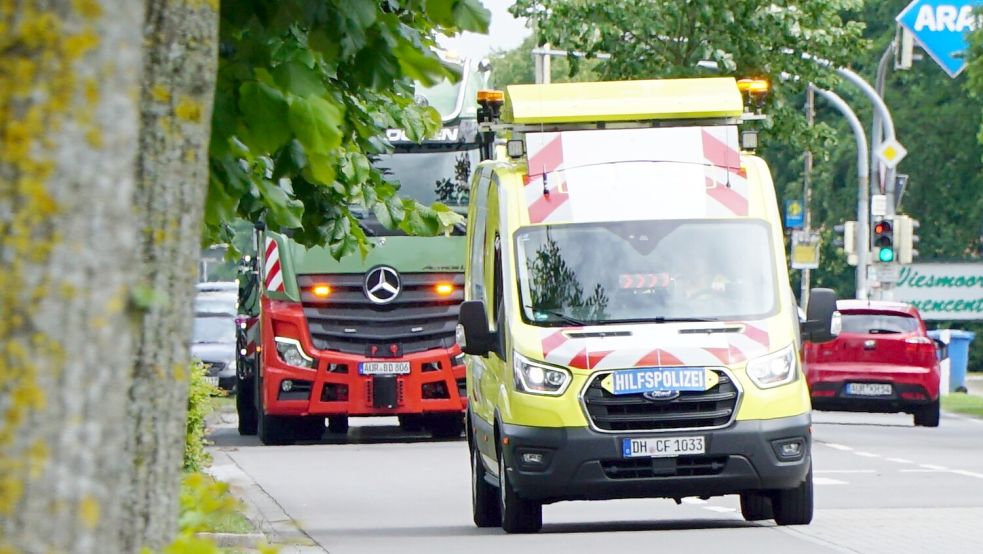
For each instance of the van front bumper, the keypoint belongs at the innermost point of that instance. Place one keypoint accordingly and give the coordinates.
(582, 464)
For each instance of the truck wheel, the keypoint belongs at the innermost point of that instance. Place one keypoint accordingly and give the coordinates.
(484, 500)
(928, 415)
(309, 428)
(272, 430)
(518, 515)
(245, 406)
(755, 506)
(338, 424)
(411, 423)
(445, 426)
(794, 506)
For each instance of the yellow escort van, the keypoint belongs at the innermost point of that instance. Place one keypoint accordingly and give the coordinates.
(629, 325)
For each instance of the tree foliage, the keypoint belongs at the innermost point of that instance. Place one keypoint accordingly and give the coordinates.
(667, 38)
(306, 91)
(516, 66)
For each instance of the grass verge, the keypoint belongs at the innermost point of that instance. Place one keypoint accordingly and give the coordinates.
(961, 403)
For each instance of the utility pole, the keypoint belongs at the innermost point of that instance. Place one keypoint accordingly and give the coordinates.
(807, 196)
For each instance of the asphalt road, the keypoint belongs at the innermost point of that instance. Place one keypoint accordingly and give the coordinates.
(882, 485)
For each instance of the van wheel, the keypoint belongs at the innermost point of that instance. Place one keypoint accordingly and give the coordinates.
(484, 500)
(518, 515)
(272, 430)
(445, 426)
(755, 506)
(928, 415)
(246, 406)
(338, 424)
(794, 506)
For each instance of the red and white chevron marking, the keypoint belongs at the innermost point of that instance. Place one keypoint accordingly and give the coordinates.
(624, 352)
(252, 334)
(726, 181)
(272, 271)
(545, 157)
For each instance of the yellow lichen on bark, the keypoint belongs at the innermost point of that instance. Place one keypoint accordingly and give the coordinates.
(89, 512)
(160, 93)
(188, 110)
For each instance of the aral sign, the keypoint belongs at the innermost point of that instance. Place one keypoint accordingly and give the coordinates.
(942, 291)
(940, 26)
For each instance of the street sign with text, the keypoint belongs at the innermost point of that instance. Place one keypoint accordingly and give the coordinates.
(940, 27)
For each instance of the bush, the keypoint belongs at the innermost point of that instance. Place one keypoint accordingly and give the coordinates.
(200, 404)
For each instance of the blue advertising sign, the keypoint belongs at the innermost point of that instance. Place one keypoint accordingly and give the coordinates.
(940, 26)
(795, 214)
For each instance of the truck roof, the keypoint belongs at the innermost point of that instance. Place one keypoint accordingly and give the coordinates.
(663, 99)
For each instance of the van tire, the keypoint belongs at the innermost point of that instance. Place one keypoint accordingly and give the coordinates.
(484, 497)
(518, 515)
(794, 506)
(755, 506)
(246, 406)
(928, 415)
(338, 424)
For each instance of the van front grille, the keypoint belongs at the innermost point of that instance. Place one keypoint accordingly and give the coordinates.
(715, 407)
(646, 468)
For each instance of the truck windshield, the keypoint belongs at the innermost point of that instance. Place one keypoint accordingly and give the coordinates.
(428, 177)
(646, 271)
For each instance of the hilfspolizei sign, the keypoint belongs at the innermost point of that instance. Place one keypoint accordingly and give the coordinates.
(942, 291)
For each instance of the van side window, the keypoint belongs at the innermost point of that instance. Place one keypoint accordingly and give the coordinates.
(480, 194)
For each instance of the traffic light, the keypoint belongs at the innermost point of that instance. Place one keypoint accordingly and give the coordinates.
(883, 240)
(847, 240)
(905, 227)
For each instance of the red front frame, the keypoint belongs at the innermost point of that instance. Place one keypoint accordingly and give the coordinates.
(274, 371)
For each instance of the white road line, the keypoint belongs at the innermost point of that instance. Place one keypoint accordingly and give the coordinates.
(845, 471)
(694, 501)
(827, 481)
(900, 460)
(935, 467)
(719, 509)
(967, 473)
(867, 454)
(835, 446)
(922, 471)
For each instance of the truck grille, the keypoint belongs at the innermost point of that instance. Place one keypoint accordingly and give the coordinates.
(633, 412)
(419, 319)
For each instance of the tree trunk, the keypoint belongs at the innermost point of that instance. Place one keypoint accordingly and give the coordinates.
(69, 72)
(180, 64)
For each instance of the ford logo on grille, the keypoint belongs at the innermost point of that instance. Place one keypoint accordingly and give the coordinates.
(661, 395)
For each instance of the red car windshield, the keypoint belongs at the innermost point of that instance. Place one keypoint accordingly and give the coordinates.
(872, 323)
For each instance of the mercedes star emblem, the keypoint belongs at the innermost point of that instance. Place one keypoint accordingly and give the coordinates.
(382, 285)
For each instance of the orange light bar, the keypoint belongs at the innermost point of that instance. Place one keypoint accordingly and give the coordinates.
(753, 86)
(444, 289)
(321, 291)
(491, 96)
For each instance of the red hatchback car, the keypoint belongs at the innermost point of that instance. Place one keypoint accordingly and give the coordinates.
(882, 361)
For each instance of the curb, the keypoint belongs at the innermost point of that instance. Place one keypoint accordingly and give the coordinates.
(275, 526)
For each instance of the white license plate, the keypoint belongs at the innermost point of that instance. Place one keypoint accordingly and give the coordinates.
(869, 389)
(663, 447)
(213, 381)
(384, 368)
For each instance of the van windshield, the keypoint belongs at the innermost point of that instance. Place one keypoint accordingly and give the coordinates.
(646, 271)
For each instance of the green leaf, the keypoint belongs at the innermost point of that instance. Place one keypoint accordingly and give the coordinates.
(264, 110)
(298, 79)
(322, 168)
(285, 211)
(362, 12)
(316, 122)
(446, 216)
(471, 15)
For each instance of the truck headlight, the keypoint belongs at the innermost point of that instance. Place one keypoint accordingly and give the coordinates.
(772, 370)
(536, 378)
(291, 353)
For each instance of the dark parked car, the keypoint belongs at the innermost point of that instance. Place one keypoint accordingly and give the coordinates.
(213, 341)
(882, 361)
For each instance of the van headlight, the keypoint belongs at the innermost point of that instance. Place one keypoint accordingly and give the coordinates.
(291, 353)
(536, 378)
(777, 368)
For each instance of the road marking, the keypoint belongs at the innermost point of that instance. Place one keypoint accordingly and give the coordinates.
(846, 471)
(719, 509)
(867, 454)
(900, 460)
(694, 501)
(835, 446)
(967, 473)
(933, 467)
(922, 470)
(827, 481)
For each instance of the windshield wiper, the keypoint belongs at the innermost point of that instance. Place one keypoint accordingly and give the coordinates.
(662, 319)
(561, 316)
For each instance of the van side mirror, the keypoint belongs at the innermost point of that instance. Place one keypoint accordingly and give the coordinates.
(473, 335)
(822, 322)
